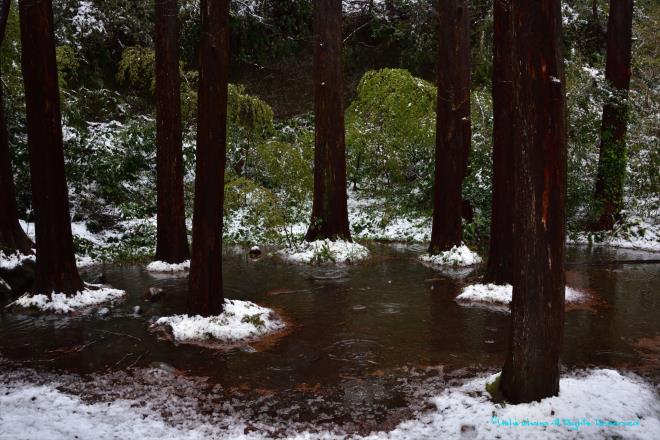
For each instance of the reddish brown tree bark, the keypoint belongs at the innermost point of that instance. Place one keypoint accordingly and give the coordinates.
(12, 236)
(499, 269)
(612, 160)
(171, 236)
(206, 296)
(329, 209)
(453, 128)
(531, 369)
(56, 264)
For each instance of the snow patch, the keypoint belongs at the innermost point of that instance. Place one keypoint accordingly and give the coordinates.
(240, 320)
(12, 261)
(498, 295)
(163, 267)
(61, 303)
(325, 251)
(457, 256)
(597, 396)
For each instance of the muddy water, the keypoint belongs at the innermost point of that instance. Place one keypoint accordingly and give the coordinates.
(361, 335)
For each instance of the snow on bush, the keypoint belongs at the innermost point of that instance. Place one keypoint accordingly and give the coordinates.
(60, 303)
(241, 320)
(457, 256)
(163, 267)
(325, 252)
(502, 294)
(11, 261)
(601, 398)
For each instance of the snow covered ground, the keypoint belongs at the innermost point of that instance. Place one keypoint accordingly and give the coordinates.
(60, 303)
(457, 256)
(325, 252)
(592, 404)
(241, 320)
(369, 220)
(500, 296)
(163, 267)
(11, 261)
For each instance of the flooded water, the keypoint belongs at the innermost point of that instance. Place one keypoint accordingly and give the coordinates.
(368, 343)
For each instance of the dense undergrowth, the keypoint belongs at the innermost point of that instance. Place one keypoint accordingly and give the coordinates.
(105, 60)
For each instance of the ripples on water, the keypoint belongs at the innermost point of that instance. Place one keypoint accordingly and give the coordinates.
(362, 340)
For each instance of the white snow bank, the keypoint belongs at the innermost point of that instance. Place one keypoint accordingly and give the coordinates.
(600, 398)
(636, 234)
(11, 261)
(456, 256)
(30, 411)
(163, 267)
(60, 303)
(325, 251)
(503, 294)
(240, 320)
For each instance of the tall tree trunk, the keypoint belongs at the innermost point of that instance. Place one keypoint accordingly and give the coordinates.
(206, 296)
(453, 127)
(12, 236)
(171, 237)
(500, 260)
(612, 160)
(329, 209)
(531, 369)
(56, 263)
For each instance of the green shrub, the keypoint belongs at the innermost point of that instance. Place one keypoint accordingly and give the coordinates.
(390, 129)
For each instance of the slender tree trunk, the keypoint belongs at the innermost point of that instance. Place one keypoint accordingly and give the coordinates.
(329, 209)
(500, 260)
(531, 369)
(206, 296)
(612, 160)
(12, 236)
(453, 128)
(56, 263)
(171, 237)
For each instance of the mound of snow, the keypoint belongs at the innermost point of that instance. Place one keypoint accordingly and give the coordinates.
(494, 294)
(163, 267)
(240, 320)
(325, 252)
(457, 256)
(591, 405)
(61, 303)
(11, 261)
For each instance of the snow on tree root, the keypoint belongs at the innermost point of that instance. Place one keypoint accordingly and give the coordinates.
(60, 303)
(457, 256)
(241, 321)
(500, 296)
(163, 267)
(325, 252)
(604, 396)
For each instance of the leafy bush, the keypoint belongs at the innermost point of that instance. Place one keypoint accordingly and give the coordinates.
(391, 129)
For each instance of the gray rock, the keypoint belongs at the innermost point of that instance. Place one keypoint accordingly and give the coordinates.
(153, 294)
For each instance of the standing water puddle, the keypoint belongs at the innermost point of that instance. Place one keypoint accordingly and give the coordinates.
(368, 345)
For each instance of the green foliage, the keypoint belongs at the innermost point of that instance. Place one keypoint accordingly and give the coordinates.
(254, 208)
(390, 129)
(250, 122)
(255, 320)
(136, 69)
(67, 66)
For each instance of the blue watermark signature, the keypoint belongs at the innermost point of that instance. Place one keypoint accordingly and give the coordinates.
(572, 424)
